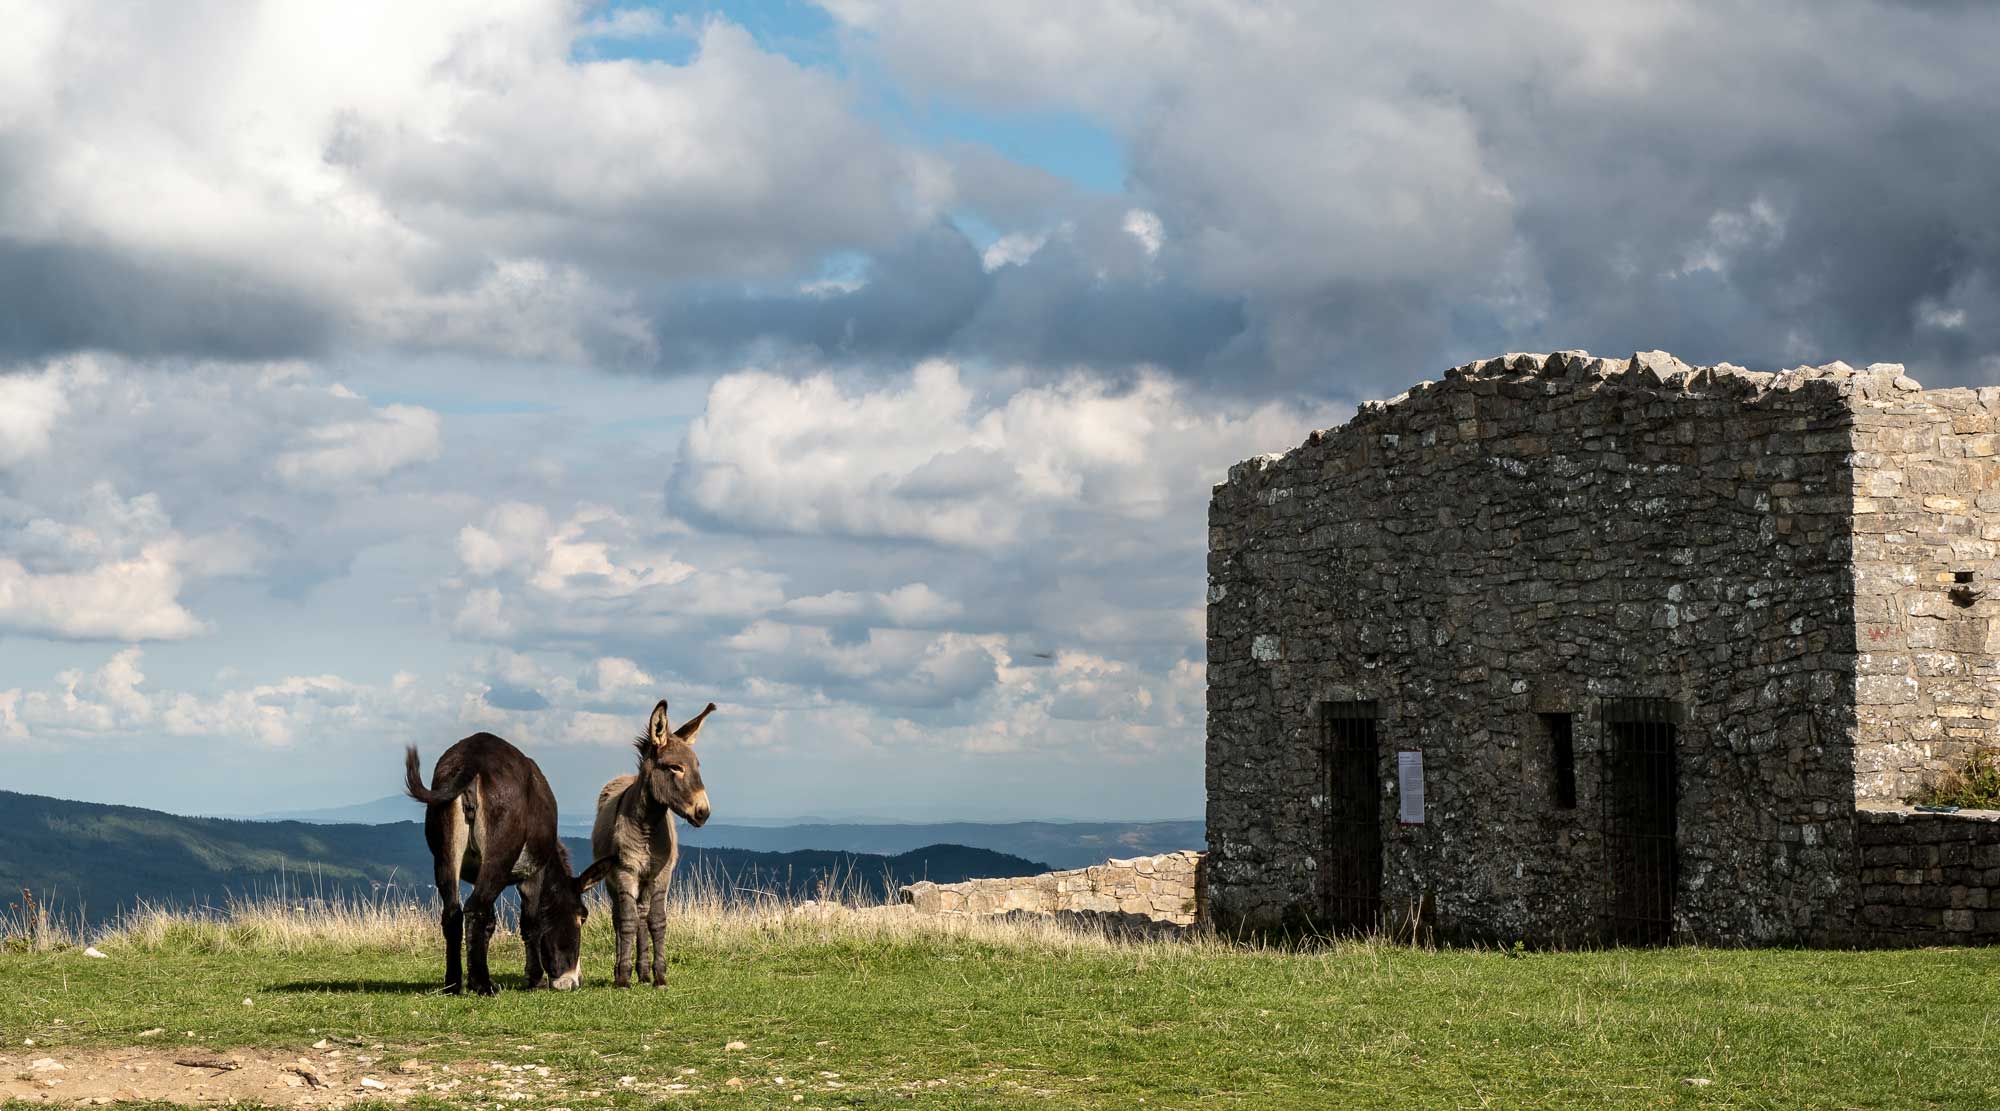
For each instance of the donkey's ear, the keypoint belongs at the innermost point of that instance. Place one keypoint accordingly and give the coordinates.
(657, 729)
(599, 868)
(693, 725)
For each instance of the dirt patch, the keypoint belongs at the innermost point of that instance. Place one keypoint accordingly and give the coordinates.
(322, 1075)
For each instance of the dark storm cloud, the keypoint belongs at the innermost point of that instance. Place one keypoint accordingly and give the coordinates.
(502, 695)
(916, 296)
(931, 295)
(1857, 226)
(1389, 190)
(1062, 308)
(56, 298)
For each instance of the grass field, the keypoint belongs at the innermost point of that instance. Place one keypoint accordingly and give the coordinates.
(861, 1012)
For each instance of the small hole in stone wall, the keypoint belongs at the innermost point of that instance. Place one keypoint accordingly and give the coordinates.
(1963, 593)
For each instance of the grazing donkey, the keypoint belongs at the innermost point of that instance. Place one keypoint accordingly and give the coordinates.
(489, 816)
(633, 827)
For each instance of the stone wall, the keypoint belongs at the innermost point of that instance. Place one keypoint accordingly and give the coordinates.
(1928, 878)
(1544, 535)
(1926, 513)
(1160, 888)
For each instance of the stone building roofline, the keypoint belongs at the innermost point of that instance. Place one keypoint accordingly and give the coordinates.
(1648, 370)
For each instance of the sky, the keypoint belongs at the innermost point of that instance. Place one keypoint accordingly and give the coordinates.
(376, 373)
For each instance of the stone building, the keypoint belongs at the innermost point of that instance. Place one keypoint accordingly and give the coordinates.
(1568, 649)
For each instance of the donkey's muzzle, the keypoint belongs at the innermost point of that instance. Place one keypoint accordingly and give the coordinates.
(568, 981)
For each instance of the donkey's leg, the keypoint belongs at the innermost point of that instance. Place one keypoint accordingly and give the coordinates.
(479, 917)
(531, 931)
(492, 881)
(447, 849)
(454, 931)
(656, 920)
(625, 916)
(639, 935)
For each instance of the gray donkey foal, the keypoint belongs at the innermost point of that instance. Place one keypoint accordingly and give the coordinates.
(633, 827)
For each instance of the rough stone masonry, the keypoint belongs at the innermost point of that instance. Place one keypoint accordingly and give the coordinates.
(1161, 888)
(1673, 645)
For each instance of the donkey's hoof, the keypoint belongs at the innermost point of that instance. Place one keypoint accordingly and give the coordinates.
(622, 982)
(659, 981)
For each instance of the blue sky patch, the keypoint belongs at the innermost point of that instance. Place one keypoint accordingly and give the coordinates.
(1066, 144)
(798, 30)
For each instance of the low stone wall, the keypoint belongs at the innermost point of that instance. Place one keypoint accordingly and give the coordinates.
(1162, 888)
(1928, 878)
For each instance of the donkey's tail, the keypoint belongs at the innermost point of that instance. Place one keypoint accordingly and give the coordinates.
(413, 781)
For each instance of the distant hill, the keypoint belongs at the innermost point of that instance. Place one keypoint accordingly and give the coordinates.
(392, 808)
(95, 859)
(1062, 844)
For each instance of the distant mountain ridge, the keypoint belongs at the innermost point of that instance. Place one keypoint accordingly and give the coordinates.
(94, 859)
(390, 808)
(1062, 844)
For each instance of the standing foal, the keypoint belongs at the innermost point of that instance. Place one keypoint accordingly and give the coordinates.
(634, 828)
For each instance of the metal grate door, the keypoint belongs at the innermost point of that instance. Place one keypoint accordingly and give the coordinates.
(1351, 868)
(1641, 797)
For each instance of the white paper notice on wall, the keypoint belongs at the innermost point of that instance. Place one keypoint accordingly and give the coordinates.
(1410, 786)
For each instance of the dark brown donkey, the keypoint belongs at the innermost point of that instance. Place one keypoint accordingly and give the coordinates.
(635, 828)
(490, 817)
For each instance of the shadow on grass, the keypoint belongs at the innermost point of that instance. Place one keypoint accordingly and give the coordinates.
(386, 987)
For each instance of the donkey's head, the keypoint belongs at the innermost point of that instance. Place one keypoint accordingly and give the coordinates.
(668, 767)
(559, 914)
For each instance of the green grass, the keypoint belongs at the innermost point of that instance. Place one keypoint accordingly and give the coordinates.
(1024, 1019)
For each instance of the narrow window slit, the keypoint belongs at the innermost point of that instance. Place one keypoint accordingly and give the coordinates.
(1562, 758)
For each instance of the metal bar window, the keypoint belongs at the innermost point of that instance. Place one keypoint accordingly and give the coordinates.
(1641, 803)
(1351, 866)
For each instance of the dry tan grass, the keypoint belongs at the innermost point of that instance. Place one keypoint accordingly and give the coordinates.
(707, 909)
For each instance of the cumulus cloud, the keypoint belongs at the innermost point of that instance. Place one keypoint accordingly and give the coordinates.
(108, 567)
(615, 673)
(1145, 227)
(392, 437)
(29, 406)
(115, 701)
(136, 484)
(597, 573)
(124, 599)
(100, 701)
(815, 456)
(702, 168)
(1056, 572)
(589, 582)
(910, 604)
(211, 182)
(269, 713)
